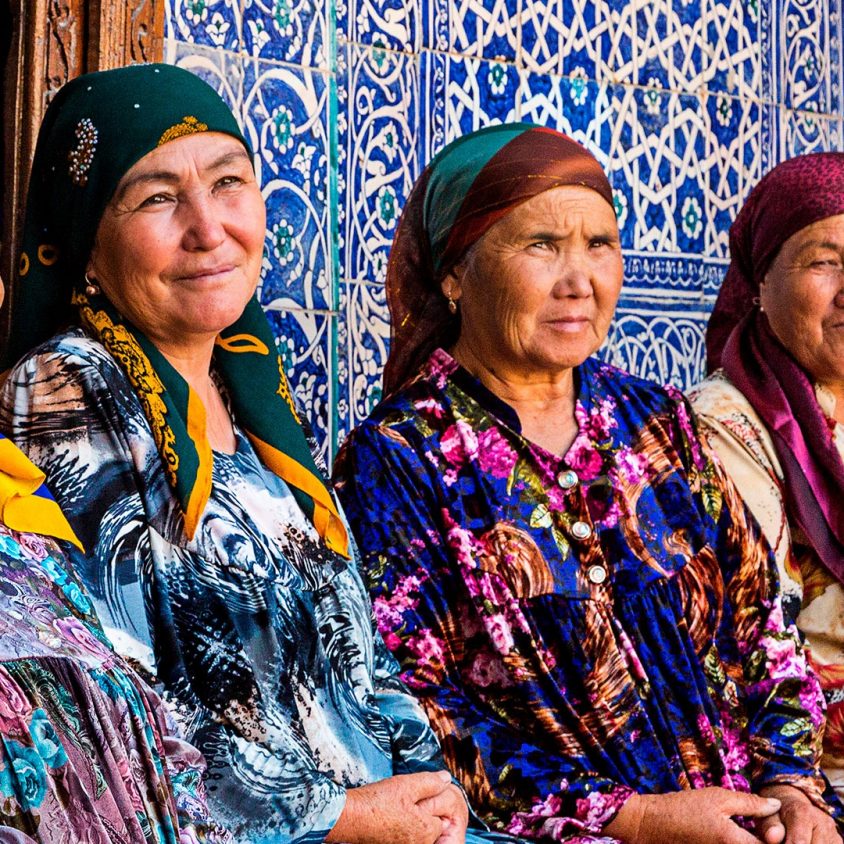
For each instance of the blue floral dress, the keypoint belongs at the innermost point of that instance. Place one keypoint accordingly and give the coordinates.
(87, 754)
(262, 637)
(584, 627)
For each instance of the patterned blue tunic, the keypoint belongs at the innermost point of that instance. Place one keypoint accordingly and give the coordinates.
(261, 636)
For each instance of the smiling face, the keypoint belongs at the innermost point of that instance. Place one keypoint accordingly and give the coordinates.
(178, 250)
(538, 291)
(803, 299)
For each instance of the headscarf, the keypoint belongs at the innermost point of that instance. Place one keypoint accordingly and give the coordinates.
(790, 197)
(95, 129)
(26, 504)
(470, 185)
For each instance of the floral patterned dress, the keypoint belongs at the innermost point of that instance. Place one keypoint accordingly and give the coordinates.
(87, 755)
(577, 628)
(812, 597)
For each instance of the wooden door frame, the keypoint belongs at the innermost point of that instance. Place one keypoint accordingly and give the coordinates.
(52, 41)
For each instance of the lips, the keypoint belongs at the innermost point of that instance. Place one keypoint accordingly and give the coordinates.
(205, 272)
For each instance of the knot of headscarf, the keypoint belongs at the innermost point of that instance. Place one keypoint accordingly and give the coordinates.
(469, 185)
(790, 197)
(95, 129)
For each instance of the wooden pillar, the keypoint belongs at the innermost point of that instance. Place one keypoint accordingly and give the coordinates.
(52, 41)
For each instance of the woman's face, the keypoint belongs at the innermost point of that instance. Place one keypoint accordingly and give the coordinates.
(803, 298)
(538, 291)
(178, 250)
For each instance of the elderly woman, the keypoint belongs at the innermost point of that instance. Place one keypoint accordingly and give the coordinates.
(774, 410)
(579, 598)
(216, 554)
(87, 753)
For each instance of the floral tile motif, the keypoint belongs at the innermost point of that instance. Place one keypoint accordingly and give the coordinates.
(378, 142)
(658, 169)
(394, 24)
(306, 340)
(733, 141)
(294, 31)
(805, 131)
(808, 44)
(285, 118)
(734, 30)
(475, 93)
(212, 23)
(662, 341)
(364, 339)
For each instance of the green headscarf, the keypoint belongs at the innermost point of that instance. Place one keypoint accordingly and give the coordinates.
(96, 128)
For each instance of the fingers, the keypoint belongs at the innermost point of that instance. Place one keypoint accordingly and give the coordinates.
(427, 784)
(806, 824)
(771, 829)
(737, 803)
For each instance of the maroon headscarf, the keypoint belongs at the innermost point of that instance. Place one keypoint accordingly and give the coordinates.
(470, 185)
(793, 195)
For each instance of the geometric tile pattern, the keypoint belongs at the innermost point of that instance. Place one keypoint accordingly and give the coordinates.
(686, 103)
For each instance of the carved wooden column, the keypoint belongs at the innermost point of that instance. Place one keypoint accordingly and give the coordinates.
(53, 41)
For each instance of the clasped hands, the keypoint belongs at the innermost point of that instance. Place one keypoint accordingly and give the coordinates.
(781, 814)
(424, 808)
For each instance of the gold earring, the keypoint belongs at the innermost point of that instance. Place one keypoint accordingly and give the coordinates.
(452, 305)
(91, 287)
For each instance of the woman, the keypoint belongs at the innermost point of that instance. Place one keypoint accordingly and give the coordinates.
(587, 613)
(773, 407)
(216, 554)
(87, 754)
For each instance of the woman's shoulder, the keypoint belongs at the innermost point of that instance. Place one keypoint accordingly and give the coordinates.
(651, 397)
(718, 398)
(70, 351)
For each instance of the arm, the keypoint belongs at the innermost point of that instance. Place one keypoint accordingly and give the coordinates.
(782, 695)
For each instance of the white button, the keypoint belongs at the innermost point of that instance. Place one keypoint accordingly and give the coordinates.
(567, 479)
(597, 574)
(581, 530)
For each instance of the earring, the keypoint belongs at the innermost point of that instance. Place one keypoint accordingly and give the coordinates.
(757, 303)
(452, 305)
(91, 287)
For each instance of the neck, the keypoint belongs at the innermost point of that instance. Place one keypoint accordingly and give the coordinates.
(837, 390)
(191, 360)
(544, 401)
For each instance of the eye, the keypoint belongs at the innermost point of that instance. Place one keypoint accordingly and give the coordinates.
(826, 264)
(598, 242)
(155, 199)
(229, 181)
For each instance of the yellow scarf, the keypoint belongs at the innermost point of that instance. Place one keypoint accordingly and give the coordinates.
(25, 503)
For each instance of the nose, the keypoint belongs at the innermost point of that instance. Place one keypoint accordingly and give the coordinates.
(203, 225)
(574, 277)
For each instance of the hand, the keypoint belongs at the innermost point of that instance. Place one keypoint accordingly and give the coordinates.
(701, 816)
(451, 806)
(393, 811)
(798, 821)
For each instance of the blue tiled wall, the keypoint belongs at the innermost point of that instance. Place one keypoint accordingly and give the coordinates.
(685, 102)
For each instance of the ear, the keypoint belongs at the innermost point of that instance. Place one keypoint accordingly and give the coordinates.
(452, 284)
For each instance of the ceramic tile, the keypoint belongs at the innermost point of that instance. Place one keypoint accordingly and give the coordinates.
(479, 28)
(306, 340)
(285, 114)
(805, 132)
(734, 60)
(294, 31)
(212, 23)
(394, 24)
(663, 341)
(378, 143)
(658, 169)
(364, 340)
(220, 69)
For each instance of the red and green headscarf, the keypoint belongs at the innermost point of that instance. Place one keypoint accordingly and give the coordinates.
(470, 185)
(95, 129)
